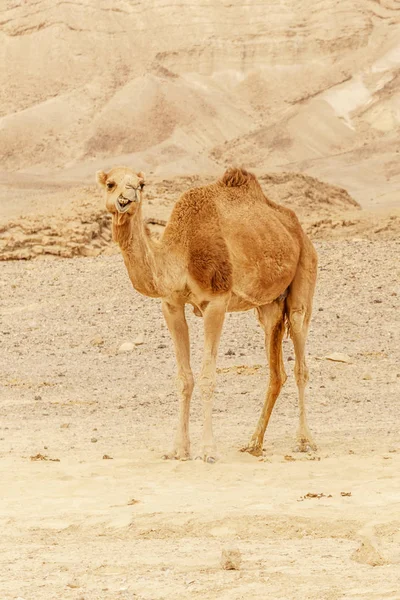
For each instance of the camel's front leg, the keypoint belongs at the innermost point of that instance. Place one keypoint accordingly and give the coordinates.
(213, 317)
(176, 322)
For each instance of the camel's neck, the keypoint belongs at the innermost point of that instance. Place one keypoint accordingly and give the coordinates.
(141, 254)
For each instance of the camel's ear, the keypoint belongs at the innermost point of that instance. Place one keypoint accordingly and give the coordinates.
(101, 178)
(142, 178)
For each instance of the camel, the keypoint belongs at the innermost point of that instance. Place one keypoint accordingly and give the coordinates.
(226, 247)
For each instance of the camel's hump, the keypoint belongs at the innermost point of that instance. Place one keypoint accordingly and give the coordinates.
(236, 177)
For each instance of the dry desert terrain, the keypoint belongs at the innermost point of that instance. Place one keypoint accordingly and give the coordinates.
(306, 95)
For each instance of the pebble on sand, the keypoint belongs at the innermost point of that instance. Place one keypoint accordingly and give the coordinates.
(139, 339)
(126, 347)
(367, 554)
(339, 357)
(97, 340)
(231, 559)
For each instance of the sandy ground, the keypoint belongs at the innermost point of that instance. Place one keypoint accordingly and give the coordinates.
(181, 91)
(78, 525)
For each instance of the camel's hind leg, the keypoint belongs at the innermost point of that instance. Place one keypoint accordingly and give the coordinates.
(271, 317)
(298, 309)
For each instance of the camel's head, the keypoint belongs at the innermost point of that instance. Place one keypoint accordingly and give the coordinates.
(122, 189)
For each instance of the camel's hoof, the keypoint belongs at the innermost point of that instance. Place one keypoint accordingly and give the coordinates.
(175, 455)
(169, 456)
(207, 457)
(252, 448)
(304, 445)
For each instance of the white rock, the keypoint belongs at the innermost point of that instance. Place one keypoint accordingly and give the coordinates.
(97, 340)
(126, 347)
(139, 340)
(339, 357)
(231, 559)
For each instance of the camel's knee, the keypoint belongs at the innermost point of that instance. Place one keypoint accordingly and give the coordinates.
(279, 377)
(296, 320)
(301, 373)
(207, 380)
(185, 383)
(206, 385)
(276, 381)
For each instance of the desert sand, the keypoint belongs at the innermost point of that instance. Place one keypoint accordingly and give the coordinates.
(305, 94)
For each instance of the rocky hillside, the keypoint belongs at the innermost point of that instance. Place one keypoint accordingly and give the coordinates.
(188, 87)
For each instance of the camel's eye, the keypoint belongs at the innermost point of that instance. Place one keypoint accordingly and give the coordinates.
(110, 185)
(141, 186)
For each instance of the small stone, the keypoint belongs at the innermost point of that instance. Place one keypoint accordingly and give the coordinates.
(367, 377)
(97, 340)
(107, 457)
(125, 348)
(139, 339)
(88, 251)
(38, 457)
(64, 426)
(230, 353)
(338, 357)
(367, 554)
(231, 559)
(73, 584)
(38, 397)
(93, 440)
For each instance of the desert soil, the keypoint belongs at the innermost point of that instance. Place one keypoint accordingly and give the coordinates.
(77, 525)
(306, 95)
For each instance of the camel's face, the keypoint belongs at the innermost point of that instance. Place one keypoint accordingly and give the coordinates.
(122, 189)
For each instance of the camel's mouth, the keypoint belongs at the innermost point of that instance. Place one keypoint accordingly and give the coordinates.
(122, 204)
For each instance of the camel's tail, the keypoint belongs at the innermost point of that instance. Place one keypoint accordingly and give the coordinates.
(287, 321)
(283, 297)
